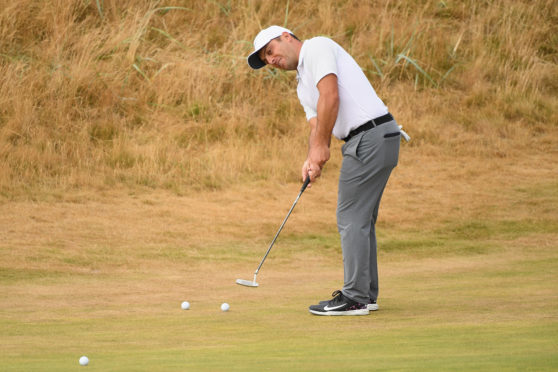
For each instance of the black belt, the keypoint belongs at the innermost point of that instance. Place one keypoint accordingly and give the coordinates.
(369, 125)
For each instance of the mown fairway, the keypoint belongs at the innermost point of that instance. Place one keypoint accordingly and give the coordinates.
(467, 284)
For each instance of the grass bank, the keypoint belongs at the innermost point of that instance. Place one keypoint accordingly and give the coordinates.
(158, 95)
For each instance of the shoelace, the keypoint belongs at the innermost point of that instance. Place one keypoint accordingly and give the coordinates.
(336, 293)
(354, 307)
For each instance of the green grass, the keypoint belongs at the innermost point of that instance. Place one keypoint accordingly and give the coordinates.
(441, 309)
(282, 339)
(457, 294)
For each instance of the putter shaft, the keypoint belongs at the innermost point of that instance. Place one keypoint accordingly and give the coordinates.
(306, 182)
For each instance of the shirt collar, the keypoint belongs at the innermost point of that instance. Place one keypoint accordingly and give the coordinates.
(300, 60)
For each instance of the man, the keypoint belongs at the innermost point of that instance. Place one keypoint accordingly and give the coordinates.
(338, 100)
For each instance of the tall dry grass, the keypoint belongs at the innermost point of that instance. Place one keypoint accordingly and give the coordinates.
(105, 93)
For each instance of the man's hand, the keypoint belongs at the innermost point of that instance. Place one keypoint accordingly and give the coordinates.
(311, 169)
(318, 155)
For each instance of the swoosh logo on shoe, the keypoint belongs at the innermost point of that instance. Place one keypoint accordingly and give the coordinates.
(327, 308)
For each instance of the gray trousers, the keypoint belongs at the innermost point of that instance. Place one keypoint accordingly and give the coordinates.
(368, 159)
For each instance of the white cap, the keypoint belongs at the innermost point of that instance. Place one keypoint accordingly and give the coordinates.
(261, 40)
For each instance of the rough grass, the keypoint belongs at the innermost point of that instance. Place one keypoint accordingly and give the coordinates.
(157, 94)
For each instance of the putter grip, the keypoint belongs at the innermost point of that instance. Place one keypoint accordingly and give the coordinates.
(305, 184)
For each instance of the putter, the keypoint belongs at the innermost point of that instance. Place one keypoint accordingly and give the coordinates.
(253, 283)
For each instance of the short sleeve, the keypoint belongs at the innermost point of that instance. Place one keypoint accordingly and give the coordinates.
(321, 59)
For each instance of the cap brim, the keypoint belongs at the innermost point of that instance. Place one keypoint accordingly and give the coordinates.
(254, 60)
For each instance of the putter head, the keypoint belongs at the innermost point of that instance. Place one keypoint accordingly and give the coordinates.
(247, 283)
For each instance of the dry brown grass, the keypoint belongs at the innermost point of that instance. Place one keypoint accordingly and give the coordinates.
(139, 94)
(116, 231)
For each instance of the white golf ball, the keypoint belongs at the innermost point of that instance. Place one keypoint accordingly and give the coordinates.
(225, 307)
(84, 360)
(185, 305)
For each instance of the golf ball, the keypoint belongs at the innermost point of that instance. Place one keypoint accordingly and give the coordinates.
(225, 307)
(185, 305)
(84, 360)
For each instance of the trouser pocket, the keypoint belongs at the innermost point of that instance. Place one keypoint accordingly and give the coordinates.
(350, 148)
(391, 148)
(393, 134)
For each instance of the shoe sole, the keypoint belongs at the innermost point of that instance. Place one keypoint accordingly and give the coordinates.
(341, 313)
(371, 307)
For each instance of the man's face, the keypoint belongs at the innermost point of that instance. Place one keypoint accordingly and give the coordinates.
(280, 53)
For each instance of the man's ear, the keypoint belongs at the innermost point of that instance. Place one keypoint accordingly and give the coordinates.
(286, 36)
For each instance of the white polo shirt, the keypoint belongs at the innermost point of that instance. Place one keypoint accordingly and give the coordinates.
(358, 102)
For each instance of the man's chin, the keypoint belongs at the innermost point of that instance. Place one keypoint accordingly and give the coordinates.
(288, 68)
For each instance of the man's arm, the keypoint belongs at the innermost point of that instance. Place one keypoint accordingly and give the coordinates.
(321, 127)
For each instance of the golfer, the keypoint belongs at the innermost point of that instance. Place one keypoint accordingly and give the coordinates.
(339, 100)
